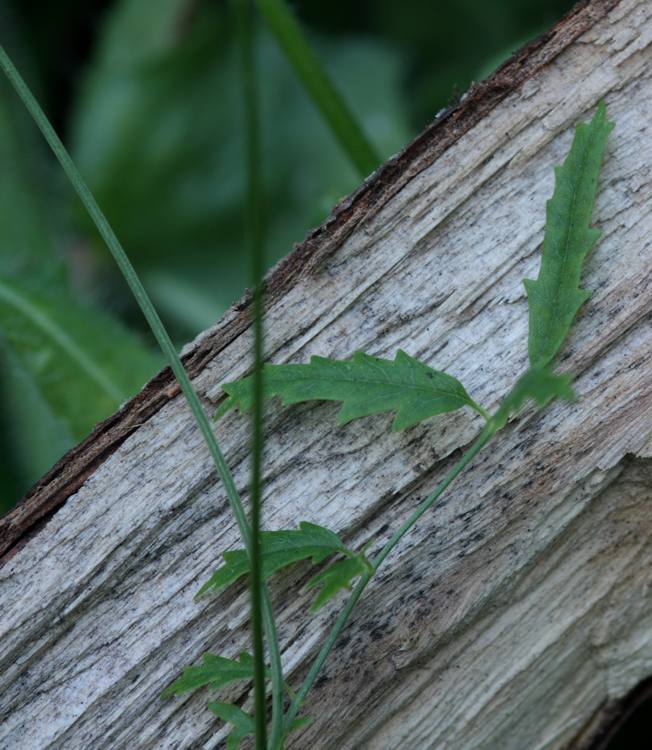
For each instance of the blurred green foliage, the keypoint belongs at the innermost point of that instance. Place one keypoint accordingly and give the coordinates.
(157, 132)
(147, 96)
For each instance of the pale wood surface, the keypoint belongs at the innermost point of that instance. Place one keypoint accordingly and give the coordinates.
(515, 609)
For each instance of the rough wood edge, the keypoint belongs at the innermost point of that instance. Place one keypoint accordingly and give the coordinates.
(610, 718)
(70, 472)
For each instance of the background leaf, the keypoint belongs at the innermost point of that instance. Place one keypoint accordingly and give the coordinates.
(279, 549)
(35, 437)
(83, 363)
(64, 366)
(282, 22)
(555, 297)
(366, 385)
(156, 131)
(31, 437)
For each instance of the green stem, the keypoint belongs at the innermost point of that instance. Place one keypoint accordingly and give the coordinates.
(320, 88)
(483, 438)
(161, 335)
(255, 229)
(131, 277)
(480, 410)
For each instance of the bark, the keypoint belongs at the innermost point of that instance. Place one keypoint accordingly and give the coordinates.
(517, 613)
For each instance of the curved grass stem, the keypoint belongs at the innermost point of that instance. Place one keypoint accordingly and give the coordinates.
(483, 438)
(319, 86)
(255, 231)
(158, 330)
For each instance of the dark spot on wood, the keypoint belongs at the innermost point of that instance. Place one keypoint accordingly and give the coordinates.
(343, 642)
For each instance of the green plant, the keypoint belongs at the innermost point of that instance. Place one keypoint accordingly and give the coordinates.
(365, 385)
(133, 111)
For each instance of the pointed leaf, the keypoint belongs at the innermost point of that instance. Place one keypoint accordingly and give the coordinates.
(215, 671)
(555, 297)
(234, 740)
(300, 721)
(336, 577)
(539, 385)
(236, 565)
(243, 723)
(279, 549)
(366, 385)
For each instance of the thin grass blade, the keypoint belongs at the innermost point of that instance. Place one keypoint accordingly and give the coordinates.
(156, 326)
(255, 233)
(319, 86)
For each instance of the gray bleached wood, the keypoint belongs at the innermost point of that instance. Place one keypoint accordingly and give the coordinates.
(521, 604)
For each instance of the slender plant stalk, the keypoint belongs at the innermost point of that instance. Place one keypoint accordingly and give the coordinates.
(255, 229)
(320, 88)
(483, 438)
(132, 279)
(156, 326)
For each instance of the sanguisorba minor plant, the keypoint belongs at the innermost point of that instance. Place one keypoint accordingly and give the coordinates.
(364, 385)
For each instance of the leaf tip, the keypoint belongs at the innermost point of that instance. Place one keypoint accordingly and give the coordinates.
(226, 405)
(600, 116)
(398, 424)
(202, 591)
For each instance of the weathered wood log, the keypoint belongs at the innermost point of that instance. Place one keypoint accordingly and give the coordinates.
(518, 613)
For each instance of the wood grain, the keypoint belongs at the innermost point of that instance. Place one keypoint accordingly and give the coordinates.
(521, 604)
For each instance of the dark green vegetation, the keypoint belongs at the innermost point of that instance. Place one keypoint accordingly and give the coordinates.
(150, 108)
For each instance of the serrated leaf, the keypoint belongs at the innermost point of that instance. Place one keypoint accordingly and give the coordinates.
(215, 671)
(555, 297)
(243, 723)
(278, 549)
(83, 363)
(336, 577)
(365, 385)
(299, 723)
(539, 385)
